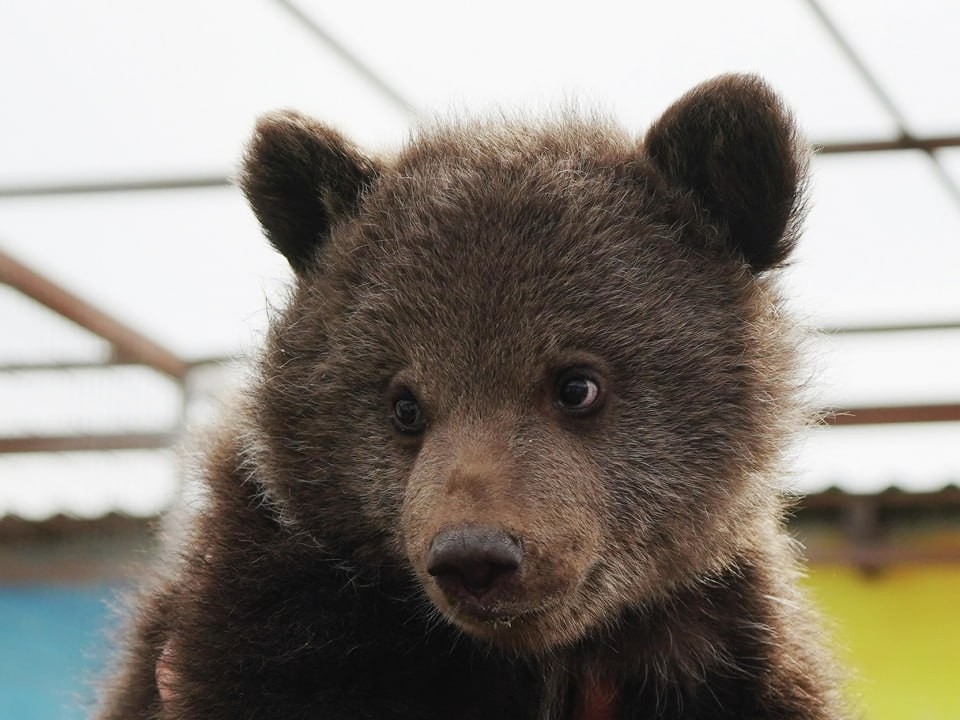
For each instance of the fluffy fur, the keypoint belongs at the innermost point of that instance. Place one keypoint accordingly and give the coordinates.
(474, 272)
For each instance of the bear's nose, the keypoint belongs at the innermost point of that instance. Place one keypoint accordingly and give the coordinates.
(473, 559)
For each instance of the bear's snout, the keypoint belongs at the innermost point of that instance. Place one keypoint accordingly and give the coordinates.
(472, 562)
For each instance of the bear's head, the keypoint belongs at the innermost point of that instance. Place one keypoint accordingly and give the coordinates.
(542, 369)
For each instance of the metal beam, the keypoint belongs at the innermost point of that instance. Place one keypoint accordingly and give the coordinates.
(127, 342)
(314, 28)
(159, 440)
(892, 499)
(882, 97)
(870, 329)
(904, 142)
(947, 412)
(113, 362)
(84, 443)
(872, 559)
(116, 186)
(187, 182)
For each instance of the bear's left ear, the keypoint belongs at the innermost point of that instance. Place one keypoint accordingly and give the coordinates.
(300, 177)
(733, 145)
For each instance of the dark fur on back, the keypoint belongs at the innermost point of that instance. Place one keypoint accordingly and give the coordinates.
(473, 274)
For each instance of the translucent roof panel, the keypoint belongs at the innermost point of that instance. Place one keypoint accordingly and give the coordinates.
(33, 333)
(922, 457)
(188, 268)
(633, 58)
(880, 245)
(85, 401)
(875, 369)
(950, 159)
(87, 484)
(911, 49)
(105, 91)
(102, 88)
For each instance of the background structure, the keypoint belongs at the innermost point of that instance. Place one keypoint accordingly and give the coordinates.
(133, 280)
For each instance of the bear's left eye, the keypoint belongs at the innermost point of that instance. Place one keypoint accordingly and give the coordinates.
(577, 392)
(407, 414)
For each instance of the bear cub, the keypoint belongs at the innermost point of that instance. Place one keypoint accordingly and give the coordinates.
(513, 447)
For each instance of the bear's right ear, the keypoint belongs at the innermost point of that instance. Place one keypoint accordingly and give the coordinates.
(300, 177)
(732, 145)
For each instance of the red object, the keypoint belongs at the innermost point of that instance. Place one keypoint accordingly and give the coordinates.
(597, 700)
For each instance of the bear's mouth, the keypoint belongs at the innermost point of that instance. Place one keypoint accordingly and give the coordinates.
(496, 614)
(499, 620)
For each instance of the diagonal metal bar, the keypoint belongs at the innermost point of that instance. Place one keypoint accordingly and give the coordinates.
(127, 342)
(854, 59)
(883, 97)
(395, 97)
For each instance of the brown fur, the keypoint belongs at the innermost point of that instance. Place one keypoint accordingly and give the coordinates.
(471, 272)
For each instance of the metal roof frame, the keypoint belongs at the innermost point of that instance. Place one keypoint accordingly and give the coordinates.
(132, 346)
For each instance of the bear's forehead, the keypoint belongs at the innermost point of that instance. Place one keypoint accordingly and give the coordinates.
(508, 257)
(495, 257)
(509, 218)
(505, 301)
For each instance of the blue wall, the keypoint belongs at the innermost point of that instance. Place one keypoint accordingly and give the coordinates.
(52, 649)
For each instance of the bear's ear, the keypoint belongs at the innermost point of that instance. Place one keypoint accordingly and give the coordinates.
(300, 177)
(733, 145)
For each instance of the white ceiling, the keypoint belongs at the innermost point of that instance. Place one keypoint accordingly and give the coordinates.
(103, 91)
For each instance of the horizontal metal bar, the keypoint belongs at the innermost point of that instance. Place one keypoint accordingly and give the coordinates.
(924, 144)
(116, 186)
(908, 327)
(188, 182)
(876, 558)
(126, 341)
(70, 365)
(84, 443)
(54, 367)
(892, 499)
(948, 412)
(130, 441)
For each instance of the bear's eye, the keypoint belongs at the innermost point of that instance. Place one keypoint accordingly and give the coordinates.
(407, 415)
(577, 392)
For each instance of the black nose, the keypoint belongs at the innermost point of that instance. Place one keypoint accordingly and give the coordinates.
(473, 559)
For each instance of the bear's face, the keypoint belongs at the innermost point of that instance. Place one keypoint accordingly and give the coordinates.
(533, 367)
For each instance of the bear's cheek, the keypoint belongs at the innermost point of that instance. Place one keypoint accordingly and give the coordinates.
(501, 546)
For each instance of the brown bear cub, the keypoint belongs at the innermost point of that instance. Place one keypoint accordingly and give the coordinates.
(513, 447)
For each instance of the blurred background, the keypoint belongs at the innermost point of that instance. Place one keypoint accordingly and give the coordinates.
(134, 281)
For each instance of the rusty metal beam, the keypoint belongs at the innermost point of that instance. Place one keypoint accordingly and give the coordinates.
(892, 499)
(873, 559)
(84, 443)
(127, 342)
(947, 412)
(904, 142)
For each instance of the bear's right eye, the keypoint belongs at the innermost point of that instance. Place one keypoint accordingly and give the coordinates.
(577, 392)
(407, 414)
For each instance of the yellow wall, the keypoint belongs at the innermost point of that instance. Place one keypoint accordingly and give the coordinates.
(899, 631)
